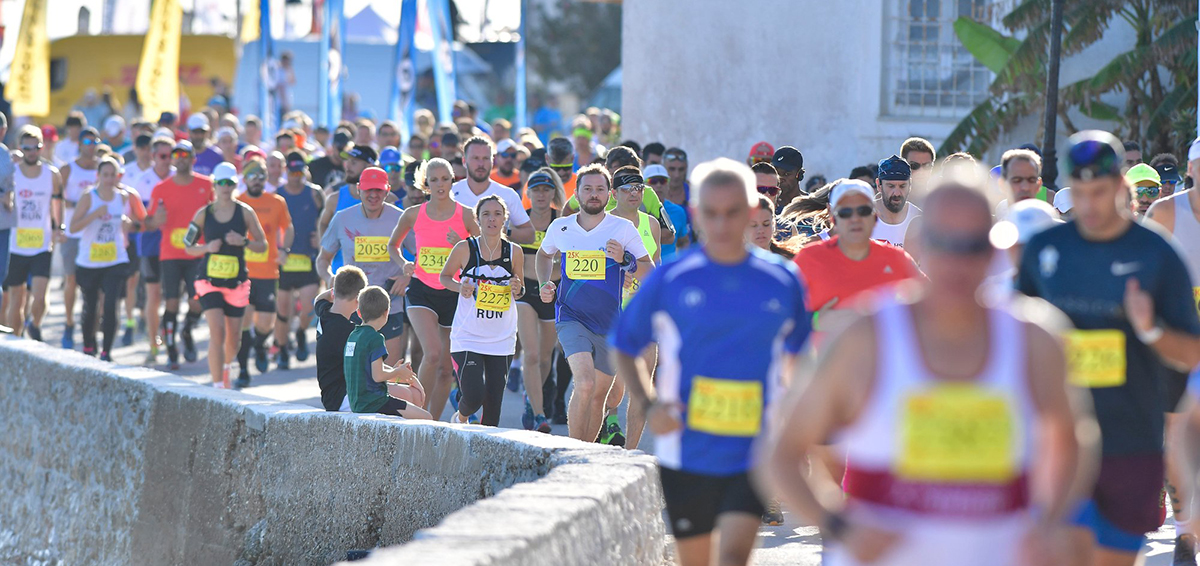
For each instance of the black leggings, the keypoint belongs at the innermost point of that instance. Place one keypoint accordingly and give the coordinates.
(481, 380)
(92, 281)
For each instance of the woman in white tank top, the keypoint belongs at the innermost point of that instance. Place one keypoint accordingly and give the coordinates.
(100, 220)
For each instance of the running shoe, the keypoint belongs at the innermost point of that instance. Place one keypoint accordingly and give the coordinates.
(514, 379)
(527, 419)
(261, 362)
(243, 379)
(151, 357)
(560, 413)
(105, 357)
(282, 359)
(68, 339)
(1185, 551)
(301, 345)
(454, 395)
(611, 434)
(34, 332)
(130, 328)
(89, 351)
(189, 346)
(456, 418)
(774, 515)
(473, 419)
(541, 424)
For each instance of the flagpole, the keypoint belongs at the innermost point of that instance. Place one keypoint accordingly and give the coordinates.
(265, 53)
(519, 102)
(323, 68)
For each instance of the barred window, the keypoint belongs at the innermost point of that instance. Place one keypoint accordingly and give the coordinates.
(930, 73)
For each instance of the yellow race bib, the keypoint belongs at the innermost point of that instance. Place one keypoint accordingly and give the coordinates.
(586, 265)
(432, 260)
(28, 238)
(629, 290)
(177, 238)
(538, 236)
(957, 433)
(298, 263)
(222, 266)
(103, 253)
(257, 257)
(371, 249)
(725, 407)
(1096, 358)
(1196, 298)
(492, 297)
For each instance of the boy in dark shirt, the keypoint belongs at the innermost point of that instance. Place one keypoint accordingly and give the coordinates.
(365, 371)
(336, 319)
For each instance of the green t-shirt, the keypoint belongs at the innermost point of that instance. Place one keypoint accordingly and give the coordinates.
(363, 347)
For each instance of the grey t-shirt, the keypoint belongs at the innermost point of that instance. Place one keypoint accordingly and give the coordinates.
(8, 218)
(363, 242)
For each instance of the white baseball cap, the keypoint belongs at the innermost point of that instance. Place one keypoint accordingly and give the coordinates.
(505, 145)
(114, 125)
(1194, 150)
(226, 131)
(224, 171)
(1062, 200)
(165, 133)
(653, 171)
(1025, 220)
(197, 121)
(849, 187)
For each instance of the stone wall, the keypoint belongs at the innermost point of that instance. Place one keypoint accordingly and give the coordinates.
(103, 464)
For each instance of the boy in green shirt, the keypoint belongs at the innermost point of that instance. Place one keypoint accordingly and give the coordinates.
(366, 372)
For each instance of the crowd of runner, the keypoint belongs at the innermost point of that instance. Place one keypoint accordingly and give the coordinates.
(927, 358)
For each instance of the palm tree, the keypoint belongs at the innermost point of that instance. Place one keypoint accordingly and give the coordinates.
(1157, 75)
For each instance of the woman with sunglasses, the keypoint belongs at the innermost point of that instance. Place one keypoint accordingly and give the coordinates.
(229, 228)
(439, 225)
(535, 318)
(101, 221)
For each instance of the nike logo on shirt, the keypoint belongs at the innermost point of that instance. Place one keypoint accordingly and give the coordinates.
(1120, 269)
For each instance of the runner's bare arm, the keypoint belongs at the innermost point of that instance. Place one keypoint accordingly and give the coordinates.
(258, 238)
(81, 218)
(324, 261)
(407, 220)
(523, 234)
(327, 213)
(473, 225)
(1163, 212)
(326, 295)
(912, 239)
(641, 388)
(518, 279)
(1177, 348)
(656, 231)
(454, 264)
(57, 208)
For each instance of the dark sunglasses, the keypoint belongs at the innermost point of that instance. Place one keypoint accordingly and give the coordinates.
(769, 191)
(957, 244)
(392, 168)
(847, 212)
(657, 181)
(226, 183)
(89, 141)
(181, 153)
(631, 188)
(914, 166)
(757, 160)
(31, 148)
(1151, 192)
(509, 155)
(255, 176)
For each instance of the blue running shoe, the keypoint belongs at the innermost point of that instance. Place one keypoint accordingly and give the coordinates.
(473, 419)
(527, 419)
(454, 395)
(541, 424)
(68, 339)
(514, 379)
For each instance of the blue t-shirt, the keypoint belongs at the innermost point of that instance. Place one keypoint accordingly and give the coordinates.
(679, 219)
(720, 329)
(1086, 280)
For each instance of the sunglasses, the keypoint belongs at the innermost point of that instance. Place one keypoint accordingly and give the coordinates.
(226, 183)
(89, 141)
(255, 176)
(180, 153)
(675, 157)
(848, 212)
(562, 165)
(509, 155)
(657, 181)
(31, 148)
(1151, 192)
(392, 168)
(631, 188)
(769, 191)
(757, 160)
(959, 245)
(914, 166)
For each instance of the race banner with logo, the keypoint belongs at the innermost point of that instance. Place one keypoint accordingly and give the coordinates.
(28, 85)
(404, 71)
(158, 73)
(330, 70)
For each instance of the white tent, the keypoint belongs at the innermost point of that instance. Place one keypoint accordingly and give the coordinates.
(367, 26)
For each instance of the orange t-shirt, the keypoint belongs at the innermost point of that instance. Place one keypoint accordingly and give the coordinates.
(273, 214)
(829, 274)
(512, 181)
(181, 203)
(568, 192)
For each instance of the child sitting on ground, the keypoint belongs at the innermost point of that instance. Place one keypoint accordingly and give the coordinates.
(336, 319)
(366, 372)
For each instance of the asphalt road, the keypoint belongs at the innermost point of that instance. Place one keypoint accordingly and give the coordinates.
(793, 543)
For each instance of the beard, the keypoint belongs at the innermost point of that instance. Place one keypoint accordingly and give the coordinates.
(479, 175)
(592, 208)
(895, 204)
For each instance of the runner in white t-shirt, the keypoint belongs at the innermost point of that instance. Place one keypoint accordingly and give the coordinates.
(478, 153)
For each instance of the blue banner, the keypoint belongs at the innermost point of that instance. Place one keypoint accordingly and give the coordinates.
(337, 67)
(443, 57)
(521, 117)
(404, 70)
(268, 71)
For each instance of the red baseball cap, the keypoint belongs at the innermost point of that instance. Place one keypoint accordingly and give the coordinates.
(49, 133)
(761, 151)
(373, 179)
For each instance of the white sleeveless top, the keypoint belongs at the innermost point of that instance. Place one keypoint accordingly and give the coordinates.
(480, 324)
(80, 182)
(1187, 234)
(32, 233)
(894, 233)
(925, 448)
(102, 243)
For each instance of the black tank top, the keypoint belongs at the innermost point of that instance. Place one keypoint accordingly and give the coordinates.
(475, 261)
(538, 235)
(227, 267)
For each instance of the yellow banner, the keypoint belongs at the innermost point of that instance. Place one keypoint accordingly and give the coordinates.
(29, 80)
(251, 22)
(158, 73)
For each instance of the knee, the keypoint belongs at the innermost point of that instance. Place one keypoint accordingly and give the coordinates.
(435, 359)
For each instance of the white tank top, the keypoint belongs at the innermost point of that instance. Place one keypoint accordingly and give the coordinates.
(80, 182)
(102, 243)
(483, 324)
(1187, 234)
(32, 232)
(925, 448)
(894, 233)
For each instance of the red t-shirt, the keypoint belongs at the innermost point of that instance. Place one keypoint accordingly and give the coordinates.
(181, 203)
(829, 274)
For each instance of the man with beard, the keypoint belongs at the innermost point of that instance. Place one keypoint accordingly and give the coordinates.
(263, 268)
(329, 171)
(478, 158)
(892, 186)
(78, 178)
(506, 160)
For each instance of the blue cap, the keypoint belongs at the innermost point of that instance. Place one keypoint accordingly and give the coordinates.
(894, 168)
(389, 156)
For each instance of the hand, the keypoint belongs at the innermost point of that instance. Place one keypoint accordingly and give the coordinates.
(1044, 545)
(213, 246)
(1139, 307)
(60, 236)
(407, 268)
(546, 293)
(868, 544)
(160, 213)
(517, 286)
(466, 288)
(408, 377)
(8, 201)
(452, 237)
(235, 239)
(664, 418)
(282, 259)
(615, 251)
(399, 286)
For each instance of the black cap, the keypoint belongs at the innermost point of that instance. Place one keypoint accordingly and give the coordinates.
(789, 158)
(535, 161)
(296, 162)
(1092, 154)
(363, 152)
(1032, 147)
(143, 140)
(89, 131)
(894, 168)
(340, 139)
(1169, 173)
